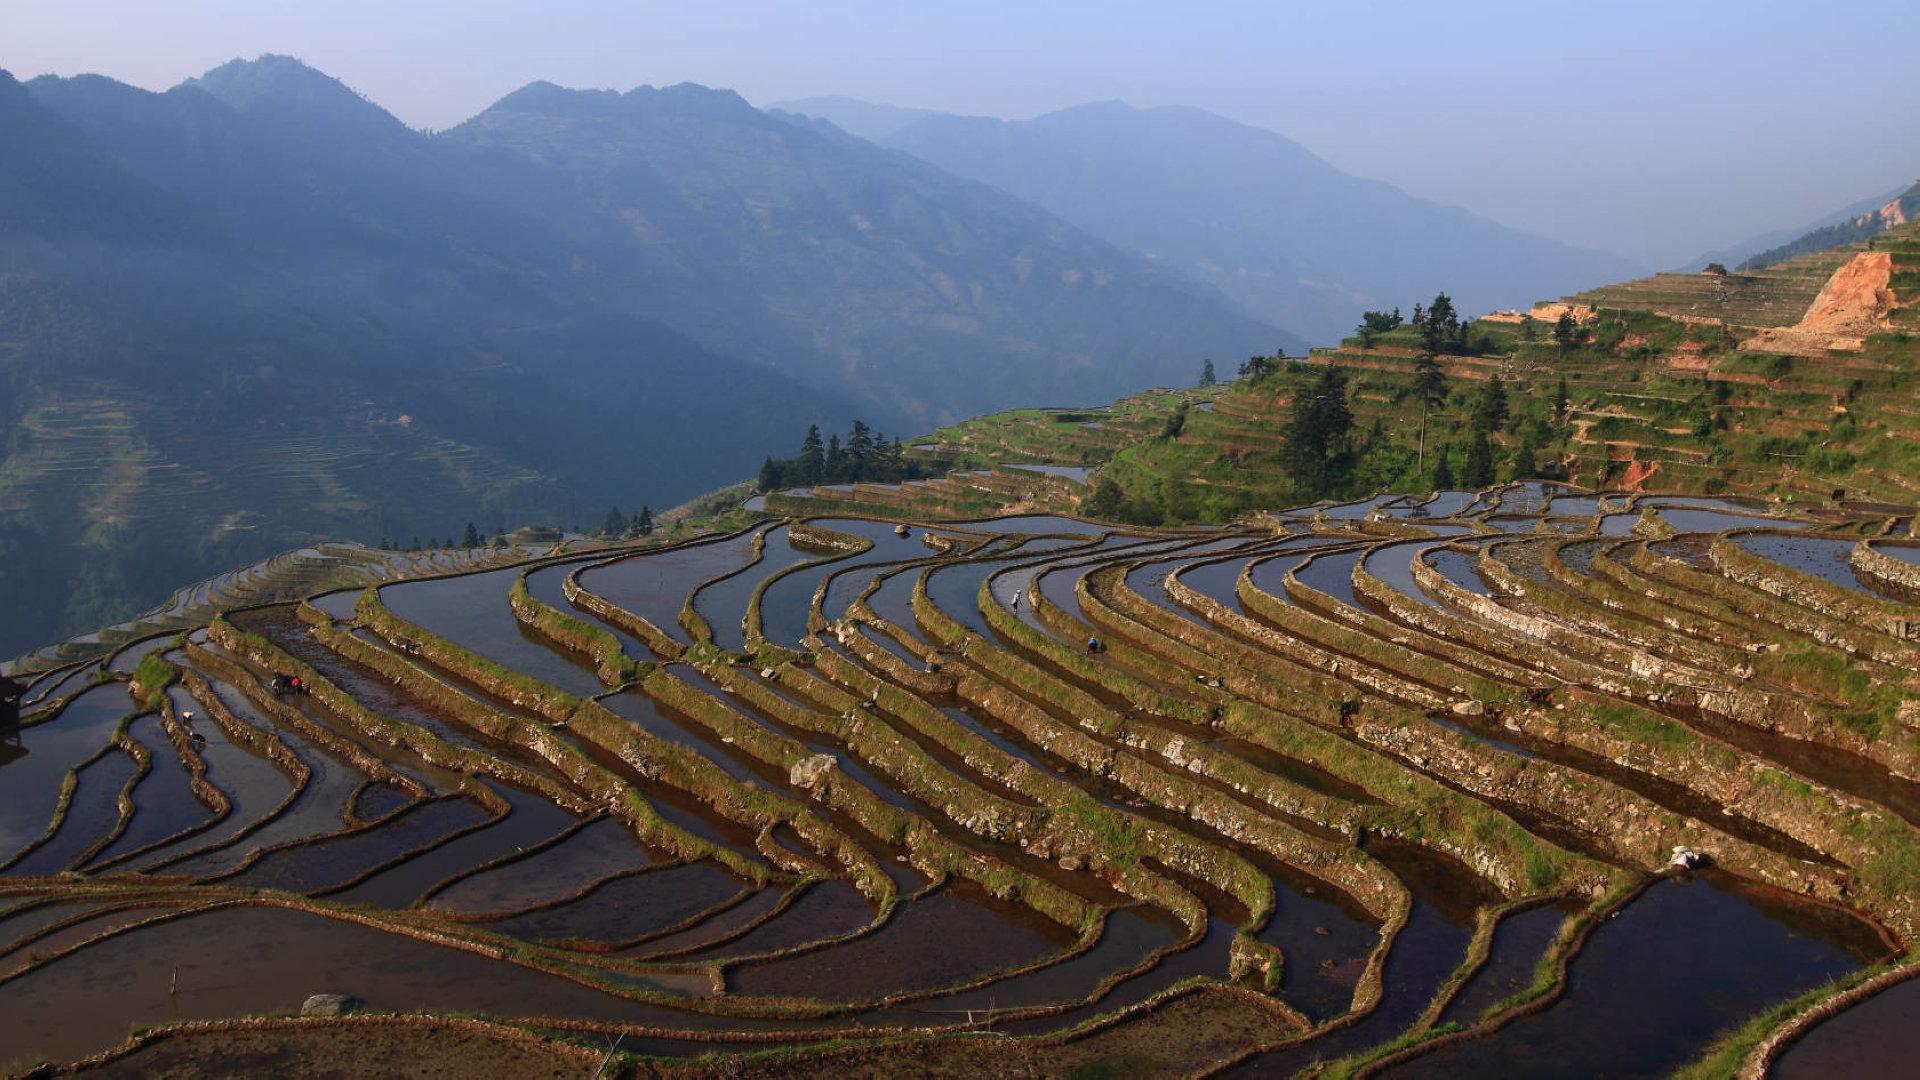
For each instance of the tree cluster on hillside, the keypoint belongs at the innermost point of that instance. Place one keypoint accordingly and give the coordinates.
(618, 526)
(1259, 368)
(865, 455)
(1317, 451)
(1375, 323)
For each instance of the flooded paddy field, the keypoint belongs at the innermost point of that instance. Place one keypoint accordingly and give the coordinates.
(1417, 818)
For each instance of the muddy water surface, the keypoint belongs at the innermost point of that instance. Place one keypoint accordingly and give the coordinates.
(656, 586)
(239, 961)
(32, 772)
(472, 612)
(1680, 964)
(948, 937)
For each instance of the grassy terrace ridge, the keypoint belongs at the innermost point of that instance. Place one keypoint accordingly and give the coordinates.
(1150, 756)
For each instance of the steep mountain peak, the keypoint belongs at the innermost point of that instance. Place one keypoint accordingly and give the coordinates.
(283, 90)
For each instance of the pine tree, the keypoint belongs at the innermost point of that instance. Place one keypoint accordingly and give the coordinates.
(1565, 331)
(1429, 382)
(835, 468)
(859, 451)
(769, 476)
(1560, 402)
(1317, 432)
(1442, 325)
(1491, 410)
(615, 525)
(1479, 469)
(1442, 470)
(811, 466)
(1525, 463)
(643, 522)
(470, 538)
(1207, 377)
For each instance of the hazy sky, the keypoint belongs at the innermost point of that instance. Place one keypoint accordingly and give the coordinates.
(1657, 130)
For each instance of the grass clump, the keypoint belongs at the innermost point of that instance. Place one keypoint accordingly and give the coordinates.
(1642, 726)
(154, 675)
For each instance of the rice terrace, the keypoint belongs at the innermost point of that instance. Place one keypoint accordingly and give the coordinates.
(1523, 685)
(945, 776)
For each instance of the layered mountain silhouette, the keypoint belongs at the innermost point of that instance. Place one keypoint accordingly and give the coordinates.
(1296, 241)
(256, 310)
(1855, 221)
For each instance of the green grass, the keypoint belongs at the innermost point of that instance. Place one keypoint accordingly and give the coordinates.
(1639, 725)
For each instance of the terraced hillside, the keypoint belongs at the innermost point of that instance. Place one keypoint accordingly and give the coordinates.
(1388, 786)
(1797, 383)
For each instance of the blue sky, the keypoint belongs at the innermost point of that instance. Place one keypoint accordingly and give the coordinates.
(1657, 130)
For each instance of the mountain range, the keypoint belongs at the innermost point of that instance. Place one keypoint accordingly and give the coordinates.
(257, 310)
(1851, 223)
(1296, 241)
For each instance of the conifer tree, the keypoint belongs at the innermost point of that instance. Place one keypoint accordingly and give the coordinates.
(470, 538)
(1429, 382)
(1565, 332)
(1491, 410)
(859, 450)
(1525, 462)
(811, 465)
(1479, 468)
(835, 469)
(1317, 432)
(1207, 377)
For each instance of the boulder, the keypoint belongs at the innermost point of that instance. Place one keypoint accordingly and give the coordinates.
(327, 1005)
(807, 773)
(1470, 707)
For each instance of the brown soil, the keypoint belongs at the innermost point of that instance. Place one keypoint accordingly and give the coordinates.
(1854, 303)
(1689, 357)
(350, 1048)
(1582, 313)
(1637, 475)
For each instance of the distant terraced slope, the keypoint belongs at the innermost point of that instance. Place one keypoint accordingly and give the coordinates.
(1701, 383)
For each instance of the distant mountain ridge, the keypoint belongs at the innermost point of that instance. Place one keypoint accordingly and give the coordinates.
(256, 310)
(1753, 247)
(870, 121)
(1294, 240)
(1871, 222)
